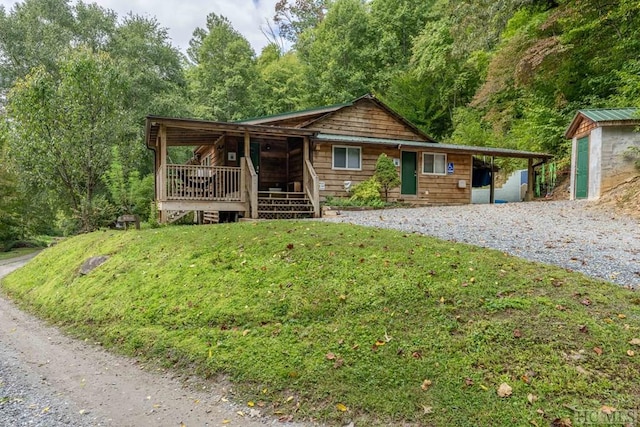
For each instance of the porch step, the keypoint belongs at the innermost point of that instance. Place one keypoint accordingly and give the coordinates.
(281, 205)
(176, 215)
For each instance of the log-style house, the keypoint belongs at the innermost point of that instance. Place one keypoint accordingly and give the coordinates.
(283, 166)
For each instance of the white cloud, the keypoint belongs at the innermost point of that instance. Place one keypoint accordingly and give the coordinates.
(181, 17)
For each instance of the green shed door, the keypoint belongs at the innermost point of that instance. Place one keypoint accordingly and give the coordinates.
(409, 175)
(582, 169)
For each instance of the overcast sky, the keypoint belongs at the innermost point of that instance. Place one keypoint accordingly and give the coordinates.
(181, 17)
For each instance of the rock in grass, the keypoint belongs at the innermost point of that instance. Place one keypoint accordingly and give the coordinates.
(92, 263)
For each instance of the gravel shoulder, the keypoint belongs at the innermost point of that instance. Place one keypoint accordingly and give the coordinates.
(49, 380)
(571, 234)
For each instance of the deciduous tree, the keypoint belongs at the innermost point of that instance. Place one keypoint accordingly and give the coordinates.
(65, 126)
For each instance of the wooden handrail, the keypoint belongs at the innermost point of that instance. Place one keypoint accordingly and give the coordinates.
(312, 187)
(251, 182)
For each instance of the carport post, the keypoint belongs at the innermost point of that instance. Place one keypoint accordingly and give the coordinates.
(530, 178)
(492, 187)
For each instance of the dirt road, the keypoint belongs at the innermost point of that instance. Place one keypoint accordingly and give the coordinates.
(48, 379)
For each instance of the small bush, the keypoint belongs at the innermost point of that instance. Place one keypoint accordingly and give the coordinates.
(367, 191)
(386, 174)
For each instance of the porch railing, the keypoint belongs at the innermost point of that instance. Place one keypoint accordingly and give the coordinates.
(208, 183)
(251, 185)
(312, 187)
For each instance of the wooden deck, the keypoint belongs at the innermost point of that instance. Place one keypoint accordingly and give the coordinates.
(203, 183)
(213, 189)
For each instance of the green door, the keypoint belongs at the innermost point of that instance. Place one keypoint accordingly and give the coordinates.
(582, 169)
(409, 174)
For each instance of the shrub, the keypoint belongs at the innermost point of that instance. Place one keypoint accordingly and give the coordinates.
(386, 174)
(367, 191)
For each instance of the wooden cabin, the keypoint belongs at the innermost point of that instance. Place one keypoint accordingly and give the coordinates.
(600, 141)
(283, 166)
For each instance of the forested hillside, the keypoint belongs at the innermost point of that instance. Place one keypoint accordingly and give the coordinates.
(77, 81)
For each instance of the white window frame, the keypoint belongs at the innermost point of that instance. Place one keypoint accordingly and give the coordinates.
(347, 148)
(424, 163)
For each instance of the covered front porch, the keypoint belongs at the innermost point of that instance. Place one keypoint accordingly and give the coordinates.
(237, 170)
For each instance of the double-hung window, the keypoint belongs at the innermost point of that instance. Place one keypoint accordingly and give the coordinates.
(434, 163)
(347, 158)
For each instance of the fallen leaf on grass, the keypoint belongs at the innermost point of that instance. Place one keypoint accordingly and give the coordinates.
(468, 382)
(532, 398)
(631, 353)
(635, 341)
(608, 410)
(338, 364)
(504, 390)
(425, 385)
(586, 302)
(342, 407)
(517, 333)
(622, 316)
(330, 356)
(597, 350)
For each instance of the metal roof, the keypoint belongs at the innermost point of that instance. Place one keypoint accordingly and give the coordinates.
(611, 114)
(603, 117)
(294, 114)
(434, 146)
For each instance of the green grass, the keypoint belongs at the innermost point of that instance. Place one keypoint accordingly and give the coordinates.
(304, 316)
(17, 252)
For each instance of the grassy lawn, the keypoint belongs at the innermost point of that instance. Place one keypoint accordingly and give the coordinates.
(18, 252)
(340, 323)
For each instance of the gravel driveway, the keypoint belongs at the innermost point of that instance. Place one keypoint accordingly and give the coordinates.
(571, 234)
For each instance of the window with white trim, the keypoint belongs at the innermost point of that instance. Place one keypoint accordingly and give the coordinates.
(434, 163)
(347, 158)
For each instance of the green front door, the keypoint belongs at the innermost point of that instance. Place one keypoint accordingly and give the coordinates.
(582, 169)
(409, 174)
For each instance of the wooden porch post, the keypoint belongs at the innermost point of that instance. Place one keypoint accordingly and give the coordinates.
(247, 144)
(530, 178)
(161, 180)
(305, 157)
(492, 187)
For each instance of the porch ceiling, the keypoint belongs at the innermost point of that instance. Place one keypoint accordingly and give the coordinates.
(191, 132)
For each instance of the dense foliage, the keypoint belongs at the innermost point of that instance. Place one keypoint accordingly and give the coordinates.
(507, 73)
